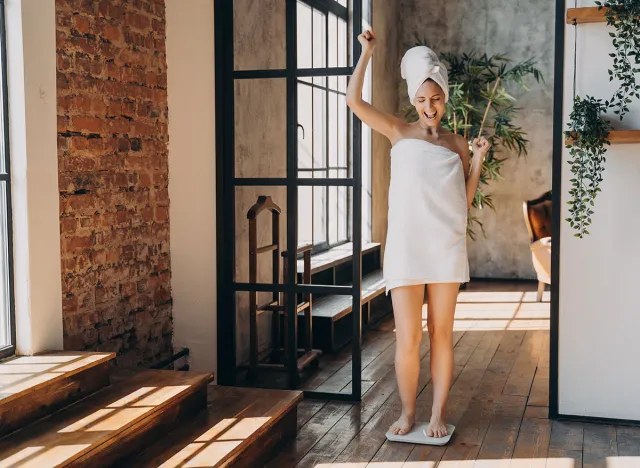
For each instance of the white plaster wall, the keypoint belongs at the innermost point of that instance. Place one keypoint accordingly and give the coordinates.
(192, 183)
(599, 371)
(31, 42)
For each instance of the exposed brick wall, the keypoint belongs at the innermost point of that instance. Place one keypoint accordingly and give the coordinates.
(113, 170)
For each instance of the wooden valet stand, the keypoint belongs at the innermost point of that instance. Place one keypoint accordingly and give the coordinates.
(277, 355)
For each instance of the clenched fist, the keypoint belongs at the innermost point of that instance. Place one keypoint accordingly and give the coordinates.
(368, 40)
(481, 147)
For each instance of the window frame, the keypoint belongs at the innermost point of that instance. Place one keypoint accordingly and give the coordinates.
(344, 195)
(5, 177)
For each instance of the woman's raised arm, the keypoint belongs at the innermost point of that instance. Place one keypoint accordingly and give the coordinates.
(379, 121)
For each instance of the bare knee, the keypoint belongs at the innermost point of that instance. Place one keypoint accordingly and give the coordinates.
(409, 342)
(440, 333)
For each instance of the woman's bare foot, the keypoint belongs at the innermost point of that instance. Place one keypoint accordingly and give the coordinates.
(437, 426)
(403, 425)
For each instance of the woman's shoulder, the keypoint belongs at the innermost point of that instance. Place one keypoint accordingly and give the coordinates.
(460, 143)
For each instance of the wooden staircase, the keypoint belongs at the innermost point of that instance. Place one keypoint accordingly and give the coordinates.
(64, 409)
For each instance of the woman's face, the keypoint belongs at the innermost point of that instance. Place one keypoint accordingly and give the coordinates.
(430, 103)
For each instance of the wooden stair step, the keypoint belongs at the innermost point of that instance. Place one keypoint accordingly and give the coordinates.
(32, 387)
(109, 425)
(241, 427)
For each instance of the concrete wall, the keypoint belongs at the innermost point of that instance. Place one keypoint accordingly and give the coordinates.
(521, 29)
(598, 344)
(192, 178)
(386, 76)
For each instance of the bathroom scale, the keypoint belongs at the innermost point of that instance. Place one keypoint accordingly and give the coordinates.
(418, 435)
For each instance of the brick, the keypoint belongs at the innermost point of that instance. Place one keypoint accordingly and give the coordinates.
(112, 33)
(80, 163)
(88, 65)
(98, 106)
(64, 62)
(82, 43)
(62, 82)
(114, 72)
(77, 243)
(160, 45)
(63, 144)
(80, 105)
(61, 38)
(82, 24)
(81, 202)
(138, 21)
(73, 343)
(69, 224)
(64, 19)
(69, 304)
(83, 123)
(108, 51)
(162, 214)
(158, 26)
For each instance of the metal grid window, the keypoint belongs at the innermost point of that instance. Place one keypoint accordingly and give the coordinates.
(323, 124)
(7, 322)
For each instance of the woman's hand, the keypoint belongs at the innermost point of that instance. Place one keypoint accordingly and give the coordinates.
(481, 147)
(368, 41)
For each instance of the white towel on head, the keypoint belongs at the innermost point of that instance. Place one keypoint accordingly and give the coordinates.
(420, 64)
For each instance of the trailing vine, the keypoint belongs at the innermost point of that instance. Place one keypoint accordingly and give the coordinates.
(624, 16)
(588, 134)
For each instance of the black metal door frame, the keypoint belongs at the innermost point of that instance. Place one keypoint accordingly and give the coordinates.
(227, 182)
(556, 190)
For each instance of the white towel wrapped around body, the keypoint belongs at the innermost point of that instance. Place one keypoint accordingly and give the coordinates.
(420, 64)
(427, 235)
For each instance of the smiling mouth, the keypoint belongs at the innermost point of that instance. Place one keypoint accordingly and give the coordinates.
(430, 116)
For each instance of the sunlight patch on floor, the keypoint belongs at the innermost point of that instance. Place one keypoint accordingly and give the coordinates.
(531, 296)
(623, 462)
(488, 310)
(22, 373)
(216, 443)
(125, 410)
(38, 457)
(498, 463)
(497, 325)
(20, 456)
(495, 311)
(490, 296)
(535, 310)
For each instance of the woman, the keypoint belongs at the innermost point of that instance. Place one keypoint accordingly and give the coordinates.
(432, 188)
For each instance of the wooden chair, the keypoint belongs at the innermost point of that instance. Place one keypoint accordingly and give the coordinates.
(537, 216)
(277, 304)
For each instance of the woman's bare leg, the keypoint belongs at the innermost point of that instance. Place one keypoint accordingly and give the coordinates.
(407, 311)
(442, 300)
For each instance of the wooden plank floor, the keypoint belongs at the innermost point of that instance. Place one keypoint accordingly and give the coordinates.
(498, 400)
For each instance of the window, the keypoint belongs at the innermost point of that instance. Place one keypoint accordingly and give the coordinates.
(7, 323)
(323, 124)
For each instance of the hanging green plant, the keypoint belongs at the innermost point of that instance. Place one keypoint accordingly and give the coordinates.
(624, 16)
(588, 137)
